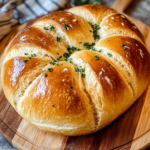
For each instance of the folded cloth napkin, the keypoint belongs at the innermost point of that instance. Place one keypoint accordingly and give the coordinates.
(19, 11)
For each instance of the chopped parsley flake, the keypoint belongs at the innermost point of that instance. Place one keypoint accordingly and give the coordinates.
(96, 57)
(71, 87)
(100, 50)
(96, 36)
(25, 60)
(50, 27)
(53, 105)
(73, 49)
(80, 69)
(95, 28)
(45, 28)
(124, 47)
(52, 18)
(33, 55)
(50, 69)
(45, 75)
(89, 46)
(65, 26)
(69, 60)
(83, 75)
(109, 54)
(58, 39)
(80, 42)
(131, 29)
(26, 53)
(122, 38)
(53, 62)
(59, 57)
(66, 55)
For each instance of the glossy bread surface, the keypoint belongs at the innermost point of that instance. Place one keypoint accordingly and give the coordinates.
(74, 72)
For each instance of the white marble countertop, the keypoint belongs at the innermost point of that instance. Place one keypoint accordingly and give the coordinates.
(139, 9)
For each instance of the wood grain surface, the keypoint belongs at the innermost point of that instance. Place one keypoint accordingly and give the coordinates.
(129, 131)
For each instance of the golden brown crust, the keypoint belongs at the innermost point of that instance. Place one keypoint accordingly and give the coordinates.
(15, 71)
(134, 53)
(59, 99)
(34, 37)
(89, 91)
(74, 28)
(118, 23)
(96, 12)
(113, 90)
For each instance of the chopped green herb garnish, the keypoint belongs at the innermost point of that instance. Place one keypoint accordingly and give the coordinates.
(109, 54)
(33, 55)
(93, 49)
(45, 75)
(25, 60)
(90, 30)
(122, 38)
(66, 55)
(80, 42)
(26, 53)
(50, 27)
(52, 18)
(53, 105)
(65, 26)
(53, 62)
(95, 28)
(124, 47)
(69, 60)
(56, 14)
(58, 53)
(71, 87)
(45, 28)
(100, 50)
(80, 69)
(59, 57)
(50, 69)
(96, 57)
(88, 46)
(73, 49)
(83, 75)
(58, 38)
(29, 57)
(96, 36)
(131, 29)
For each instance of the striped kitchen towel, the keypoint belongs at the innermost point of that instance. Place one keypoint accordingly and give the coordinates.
(19, 11)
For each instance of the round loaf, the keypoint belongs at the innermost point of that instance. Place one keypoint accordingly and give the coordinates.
(74, 72)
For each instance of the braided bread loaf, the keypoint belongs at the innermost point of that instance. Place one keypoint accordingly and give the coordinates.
(73, 72)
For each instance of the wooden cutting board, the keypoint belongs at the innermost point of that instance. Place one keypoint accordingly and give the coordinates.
(130, 131)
